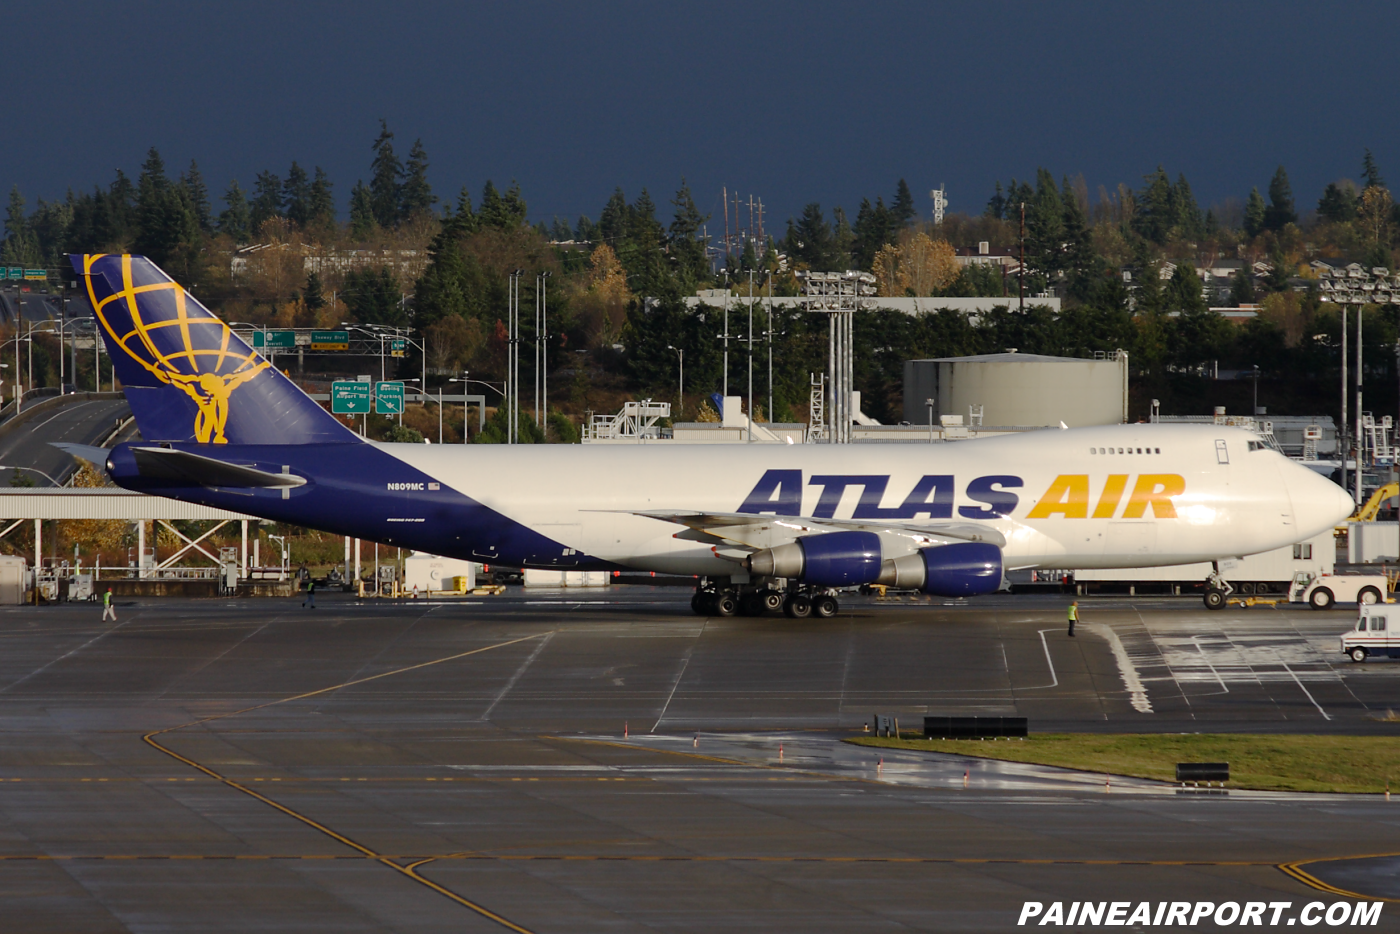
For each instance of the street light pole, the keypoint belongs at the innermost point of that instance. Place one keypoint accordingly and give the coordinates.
(750, 355)
(680, 404)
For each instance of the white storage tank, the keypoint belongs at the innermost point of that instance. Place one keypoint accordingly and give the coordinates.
(1019, 389)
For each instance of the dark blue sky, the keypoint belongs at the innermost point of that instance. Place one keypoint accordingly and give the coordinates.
(792, 102)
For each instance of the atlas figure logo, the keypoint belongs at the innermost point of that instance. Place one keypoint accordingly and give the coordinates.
(192, 353)
(779, 493)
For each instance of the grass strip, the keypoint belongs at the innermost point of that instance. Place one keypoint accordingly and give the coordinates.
(1293, 762)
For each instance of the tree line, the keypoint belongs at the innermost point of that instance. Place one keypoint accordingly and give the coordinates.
(279, 253)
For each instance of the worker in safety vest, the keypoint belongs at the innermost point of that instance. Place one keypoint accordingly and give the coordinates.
(1073, 615)
(107, 610)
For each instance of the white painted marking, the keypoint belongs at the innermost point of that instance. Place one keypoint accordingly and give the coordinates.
(1137, 692)
(516, 677)
(1054, 678)
(1308, 693)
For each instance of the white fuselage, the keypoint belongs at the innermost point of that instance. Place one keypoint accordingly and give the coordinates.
(1099, 497)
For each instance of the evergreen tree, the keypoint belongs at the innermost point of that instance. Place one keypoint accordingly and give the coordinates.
(234, 219)
(513, 203)
(463, 221)
(372, 297)
(1045, 228)
(267, 202)
(996, 204)
(417, 196)
(809, 240)
(120, 215)
(1338, 202)
(1080, 262)
(362, 221)
(320, 203)
(1186, 215)
(386, 177)
(1280, 211)
(874, 227)
(585, 231)
(1212, 226)
(1254, 211)
(612, 223)
(1184, 291)
(560, 230)
(683, 242)
(1242, 287)
(314, 295)
(1370, 175)
(1154, 216)
(643, 248)
(902, 210)
(1282, 271)
(198, 193)
(842, 238)
(20, 246)
(168, 231)
(296, 196)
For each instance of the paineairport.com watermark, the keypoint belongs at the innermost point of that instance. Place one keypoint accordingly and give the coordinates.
(1191, 914)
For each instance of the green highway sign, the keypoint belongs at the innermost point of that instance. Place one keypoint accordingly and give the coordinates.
(274, 340)
(397, 347)
(388, 398)
(350, 397)
(16, 272)
(35, 274)
(330, 340)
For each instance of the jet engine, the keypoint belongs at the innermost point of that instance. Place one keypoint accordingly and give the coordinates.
(833, 559)
(962, 569)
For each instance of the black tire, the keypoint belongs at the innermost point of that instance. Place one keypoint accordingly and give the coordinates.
(1322, 599)
(1247, 589)
(1368, 596)
(726, 605)
(1215, 599)
(797, 606)
(825, 606)
(772, 600)
(751, 604)
(697, 603)
(1358, 654)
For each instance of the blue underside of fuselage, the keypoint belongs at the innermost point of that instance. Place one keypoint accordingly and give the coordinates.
(356, 489)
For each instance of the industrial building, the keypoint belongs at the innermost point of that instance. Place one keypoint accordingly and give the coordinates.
(1028, 390)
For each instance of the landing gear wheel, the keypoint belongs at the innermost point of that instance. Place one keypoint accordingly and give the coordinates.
(1358, 654)
(726, 605)
(1215, 599)
(772, 600)
(797, 606)
(1368, 596)
(751, 604)
(825, 606)
(697, 603)
(1322, 599)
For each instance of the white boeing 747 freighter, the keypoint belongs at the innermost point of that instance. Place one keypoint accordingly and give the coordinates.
(762, 527)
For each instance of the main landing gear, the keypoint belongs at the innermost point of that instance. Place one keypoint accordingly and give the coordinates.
(714, 600)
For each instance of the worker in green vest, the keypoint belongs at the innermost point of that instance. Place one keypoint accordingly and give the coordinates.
(107, 610)
(1073, 615)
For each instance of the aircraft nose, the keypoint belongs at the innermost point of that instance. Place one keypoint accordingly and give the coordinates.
(1318, 503)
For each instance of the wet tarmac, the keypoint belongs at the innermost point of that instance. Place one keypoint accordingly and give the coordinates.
(609, 762)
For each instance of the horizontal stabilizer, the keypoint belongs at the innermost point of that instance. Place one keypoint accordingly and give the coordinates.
(88, 452)
(198, 470)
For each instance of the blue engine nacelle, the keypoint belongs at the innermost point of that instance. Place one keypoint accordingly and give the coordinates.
(833, 559)
(963, 569)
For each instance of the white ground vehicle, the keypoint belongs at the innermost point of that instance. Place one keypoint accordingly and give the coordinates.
(1373, 635)
(1325, 590)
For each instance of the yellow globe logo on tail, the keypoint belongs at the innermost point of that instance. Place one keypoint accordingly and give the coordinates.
(179, 342)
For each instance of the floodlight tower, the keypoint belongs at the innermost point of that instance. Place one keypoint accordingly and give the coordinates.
(839, 295)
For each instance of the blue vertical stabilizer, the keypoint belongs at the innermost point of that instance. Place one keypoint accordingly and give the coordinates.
(187, 376)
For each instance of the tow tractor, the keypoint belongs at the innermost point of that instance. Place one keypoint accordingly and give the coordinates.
(1320, 591)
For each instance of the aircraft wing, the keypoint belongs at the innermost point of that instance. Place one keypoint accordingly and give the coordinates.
(754, 532)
